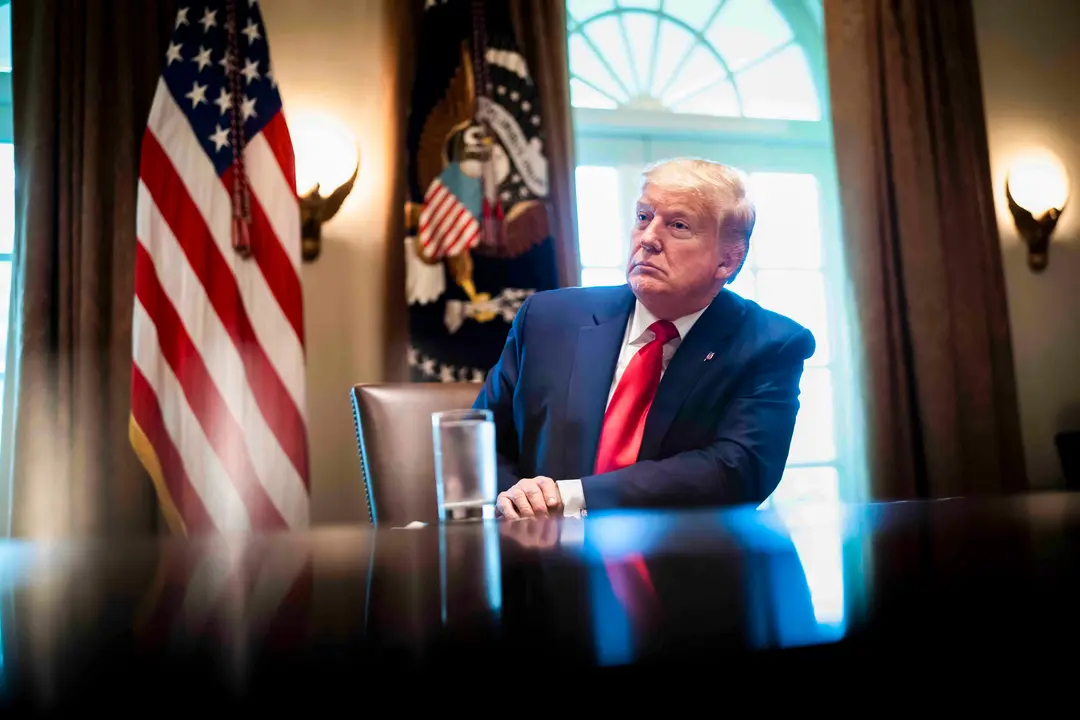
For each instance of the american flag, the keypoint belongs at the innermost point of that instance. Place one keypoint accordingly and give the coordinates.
(447, 226)
(217, 397)
(231, 595)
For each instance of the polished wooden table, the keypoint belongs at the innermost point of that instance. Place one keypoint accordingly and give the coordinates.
(734, 598)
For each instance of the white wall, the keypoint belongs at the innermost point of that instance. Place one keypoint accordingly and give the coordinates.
(1029, 53)
(340, 57)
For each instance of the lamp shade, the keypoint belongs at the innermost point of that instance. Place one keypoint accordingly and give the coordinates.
(326, 152)
(1038, 182)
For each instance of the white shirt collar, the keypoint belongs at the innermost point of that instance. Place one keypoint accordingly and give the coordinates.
(639, 325)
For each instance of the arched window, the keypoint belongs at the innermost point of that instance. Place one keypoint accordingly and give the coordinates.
(742, 82)
(738, 58)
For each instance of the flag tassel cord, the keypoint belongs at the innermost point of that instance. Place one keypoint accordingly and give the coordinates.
(241, 198)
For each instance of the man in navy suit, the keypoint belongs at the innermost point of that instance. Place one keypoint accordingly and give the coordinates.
(667, 392)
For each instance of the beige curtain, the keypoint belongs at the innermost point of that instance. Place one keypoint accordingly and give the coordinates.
(541, 29)
(83, 79)
(922, 249)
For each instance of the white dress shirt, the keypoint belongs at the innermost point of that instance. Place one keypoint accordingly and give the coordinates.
(636, 337)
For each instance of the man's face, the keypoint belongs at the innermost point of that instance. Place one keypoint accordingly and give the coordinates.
(677, 262)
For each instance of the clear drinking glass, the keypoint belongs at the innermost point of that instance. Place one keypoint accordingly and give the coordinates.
(464, 464)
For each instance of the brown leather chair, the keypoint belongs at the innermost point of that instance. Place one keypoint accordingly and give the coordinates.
(397, 456)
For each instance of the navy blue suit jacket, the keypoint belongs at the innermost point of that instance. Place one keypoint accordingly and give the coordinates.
(719, 428)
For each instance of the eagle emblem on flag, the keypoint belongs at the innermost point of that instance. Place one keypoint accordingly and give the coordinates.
(483, 167)
(478, 184)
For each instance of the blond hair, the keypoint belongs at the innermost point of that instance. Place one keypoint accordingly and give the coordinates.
(720, 191)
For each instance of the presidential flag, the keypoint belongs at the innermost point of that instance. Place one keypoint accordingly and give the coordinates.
(217, 392)
(477, 239)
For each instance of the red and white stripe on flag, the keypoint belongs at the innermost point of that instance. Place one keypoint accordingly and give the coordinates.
(217, 397)
(446, 226)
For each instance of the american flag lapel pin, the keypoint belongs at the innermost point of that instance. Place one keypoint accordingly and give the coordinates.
(709, 357)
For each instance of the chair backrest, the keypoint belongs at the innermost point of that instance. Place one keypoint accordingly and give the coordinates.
(397, 455)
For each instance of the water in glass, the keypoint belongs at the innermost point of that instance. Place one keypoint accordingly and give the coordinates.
(464, 464)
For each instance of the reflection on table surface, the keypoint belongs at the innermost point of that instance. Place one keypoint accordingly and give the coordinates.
(258, 618)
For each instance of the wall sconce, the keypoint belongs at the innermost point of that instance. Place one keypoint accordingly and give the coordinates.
(326, 156)
(1037, 188)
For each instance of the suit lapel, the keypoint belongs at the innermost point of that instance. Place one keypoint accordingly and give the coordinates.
(598, 346)
(709, 335)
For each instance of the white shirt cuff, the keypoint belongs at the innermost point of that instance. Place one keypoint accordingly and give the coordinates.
(573, 498)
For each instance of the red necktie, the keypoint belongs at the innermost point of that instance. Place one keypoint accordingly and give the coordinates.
(620, 442)
(633, 587)
(624, 421)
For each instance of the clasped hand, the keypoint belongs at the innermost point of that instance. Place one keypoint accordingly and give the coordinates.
(530, 497)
